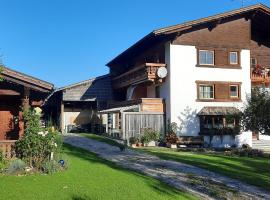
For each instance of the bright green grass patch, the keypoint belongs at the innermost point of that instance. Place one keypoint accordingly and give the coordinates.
(101, 138)
(255, 171)
(88, 177)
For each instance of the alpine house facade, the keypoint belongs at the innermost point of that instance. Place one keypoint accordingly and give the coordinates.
(195, 74)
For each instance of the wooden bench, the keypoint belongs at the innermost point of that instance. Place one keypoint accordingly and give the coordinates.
(190, 140)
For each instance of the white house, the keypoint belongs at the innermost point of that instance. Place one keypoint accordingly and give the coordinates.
(198, 74)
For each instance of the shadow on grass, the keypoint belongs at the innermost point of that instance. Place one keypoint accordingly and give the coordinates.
(76, 197)
(157, 186)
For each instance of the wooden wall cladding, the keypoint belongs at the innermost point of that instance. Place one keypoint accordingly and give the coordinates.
(234, 33)
(221, 91)
(221, 57)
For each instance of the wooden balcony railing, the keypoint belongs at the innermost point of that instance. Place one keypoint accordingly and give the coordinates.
(6, 146)
(145, 104)
(260, 78)
(144, 73)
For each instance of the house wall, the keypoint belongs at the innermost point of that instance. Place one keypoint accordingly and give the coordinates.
(181, 103)
(78, 116)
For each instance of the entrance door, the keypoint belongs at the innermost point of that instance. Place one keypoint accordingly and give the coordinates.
(9, 121)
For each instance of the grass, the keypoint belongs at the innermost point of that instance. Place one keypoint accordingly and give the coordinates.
(88, 178)
(254, 171)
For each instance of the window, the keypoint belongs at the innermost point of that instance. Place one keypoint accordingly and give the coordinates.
(206, 92)
(234, 58)
(253, 62)
(234, 91)
(206, 57)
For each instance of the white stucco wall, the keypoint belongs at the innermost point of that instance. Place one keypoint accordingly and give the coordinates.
(180, 90)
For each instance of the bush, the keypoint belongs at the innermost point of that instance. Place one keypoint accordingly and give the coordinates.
(16, 167)
(171, 136)
(37, 147)
(134, 140)
(149, 135)
(1, 156)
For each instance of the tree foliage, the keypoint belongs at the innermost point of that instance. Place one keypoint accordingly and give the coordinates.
(1, 71)
(256, 115)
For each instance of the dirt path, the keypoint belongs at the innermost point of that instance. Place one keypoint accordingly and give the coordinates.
(200, 182)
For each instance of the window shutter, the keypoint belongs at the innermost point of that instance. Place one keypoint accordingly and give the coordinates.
(222, 91)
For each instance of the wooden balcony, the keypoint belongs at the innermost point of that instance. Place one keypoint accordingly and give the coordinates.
(6, 147)
(145, 104)
(260, 78)
(144, 73)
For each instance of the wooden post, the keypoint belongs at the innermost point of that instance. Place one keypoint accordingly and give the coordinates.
(25, 100)
(62, 122)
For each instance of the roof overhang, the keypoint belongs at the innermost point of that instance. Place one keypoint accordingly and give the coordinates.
(218, 111)
(133, 108)
(26, 80)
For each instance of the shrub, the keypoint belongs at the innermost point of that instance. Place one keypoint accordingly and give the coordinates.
(37, 147)
(16, 167)
(1, 156)
(149, 135)
(171, 136)
(133, 140)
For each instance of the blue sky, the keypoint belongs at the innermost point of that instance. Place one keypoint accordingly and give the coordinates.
(66, 41)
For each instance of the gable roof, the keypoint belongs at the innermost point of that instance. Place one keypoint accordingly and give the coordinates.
(98, 88)
(163, 33)
(26, 80)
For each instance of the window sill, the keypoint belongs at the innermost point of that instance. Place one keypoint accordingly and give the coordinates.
(222, 67)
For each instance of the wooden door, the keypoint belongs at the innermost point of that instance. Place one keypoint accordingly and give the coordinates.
(9, 124)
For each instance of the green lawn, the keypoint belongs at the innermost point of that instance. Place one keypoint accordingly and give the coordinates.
(255, 171)
(88, 177)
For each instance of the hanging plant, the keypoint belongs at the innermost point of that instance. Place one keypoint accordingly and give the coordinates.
(258, 70)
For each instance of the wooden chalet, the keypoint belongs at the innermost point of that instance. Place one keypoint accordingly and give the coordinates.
(18, 91)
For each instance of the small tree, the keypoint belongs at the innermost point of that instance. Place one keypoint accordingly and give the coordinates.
(256, 115)
(37, 146)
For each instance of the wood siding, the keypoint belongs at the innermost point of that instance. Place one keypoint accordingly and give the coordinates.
(233, 33)
(221, 91)
(134, 123)
(221, 57)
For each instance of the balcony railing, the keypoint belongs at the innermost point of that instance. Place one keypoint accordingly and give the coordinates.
(260, 78)
(144, 73)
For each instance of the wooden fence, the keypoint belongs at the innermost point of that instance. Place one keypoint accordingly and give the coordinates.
(6, 146)
(134, 122)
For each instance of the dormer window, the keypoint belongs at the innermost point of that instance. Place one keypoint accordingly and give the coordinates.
(206, 57)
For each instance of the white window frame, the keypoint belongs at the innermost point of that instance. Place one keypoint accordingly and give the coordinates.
(237, 87)
(206, 63)
(237, 58)
(210, 85)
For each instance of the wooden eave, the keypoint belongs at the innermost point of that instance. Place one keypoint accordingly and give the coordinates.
(26, 80)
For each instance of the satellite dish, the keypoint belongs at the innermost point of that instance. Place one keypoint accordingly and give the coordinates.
(162, 72)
